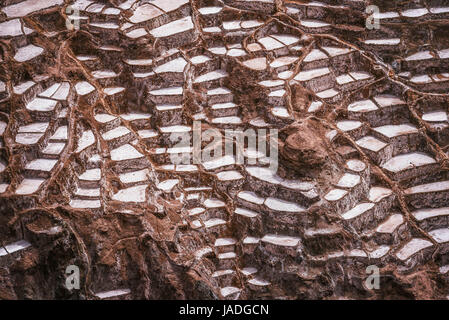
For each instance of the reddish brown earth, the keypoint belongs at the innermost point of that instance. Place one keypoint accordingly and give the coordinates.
(86, 177)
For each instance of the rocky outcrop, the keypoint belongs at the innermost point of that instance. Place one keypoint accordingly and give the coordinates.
(99, 109)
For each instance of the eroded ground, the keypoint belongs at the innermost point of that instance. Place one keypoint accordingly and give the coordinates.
(86, 176)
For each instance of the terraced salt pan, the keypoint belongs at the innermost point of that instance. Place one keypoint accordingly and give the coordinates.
(43, 105)
(423, 55)
(85, 204)
(377, 193)
(219, 162)
(229, 175)
(28, 138)
(167, 185)
(231, 25)
(168, 6)
(13, 28)
(125, 152)
(36, 127)
(358, 210)
(270, 43)
(211, 76)
(327, 94)
(3, 126)
(439, 10)
(221, 106)
(344, 79)
(312, 74)
(58, 91)
(362, 106)
(249, 271)
(413, 246)
(220, 273)
(251, 240)
(83, 87)
(257, 64)
(220, 242)
(315, 55)
(259, 282)
(199, 59)
(245, 212)
(176, 65)
(335, 194)
(134, 176)
(429, 187)
(29, 186)
(414, 13)
(196, 211)
(421, 79)
(264, 174)
(86, 140)
(168, 91)
(251, 197)
(176, 128)
(209, 10)
(249, 24)
(95, 192)
(53, 148)
(314, 23)
(23, 87)
(169, 29)
(227, 291)
(427, 213)
(348, 180)
(115, 133)
(105, 25)
(386, 100)
(391, 131)
(145, 134)
(227, 120)
(348, 125)
(315, 106)
(391, 224)
(104, 117)
(24, 8)
(278, 240)
(282, 205)
(380, 252)
(371, 143)
(384, 42)
(436, 116)
(297, 185)
(336, 51)
(407, 161)
(144, 13)
(218, 91)
(113, 90)
(386, 15)
(214, 222)
(280, 112)
(104, 74)
(41, 164)
(135, 116)
(440, 235)
(286, 39)
(14, 247)
(113, 293)
(132, 194)
(360, 75)
(91, 175)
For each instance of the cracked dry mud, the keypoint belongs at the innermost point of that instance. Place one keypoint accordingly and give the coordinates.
(86, 178)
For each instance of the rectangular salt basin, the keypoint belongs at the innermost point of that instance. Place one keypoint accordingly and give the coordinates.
(14, 247)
